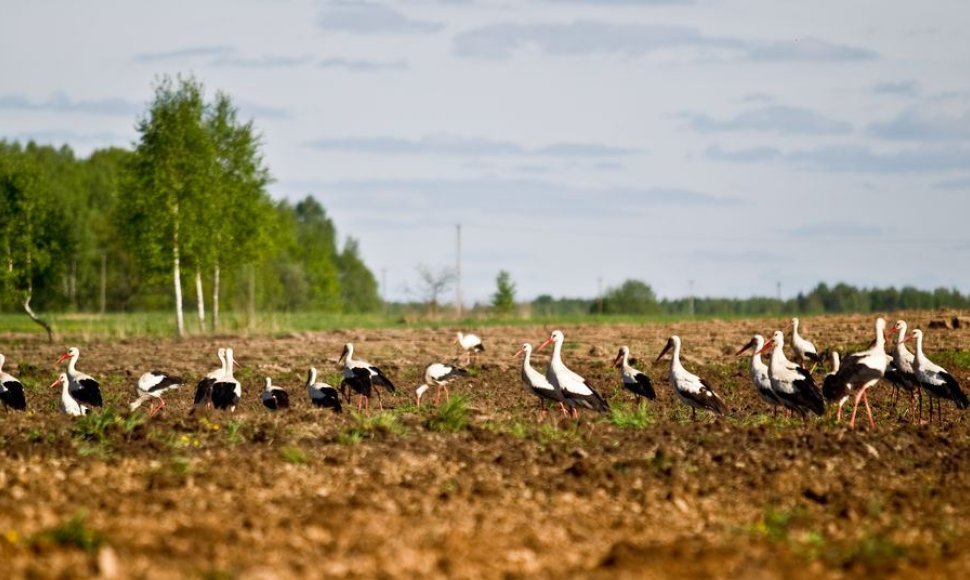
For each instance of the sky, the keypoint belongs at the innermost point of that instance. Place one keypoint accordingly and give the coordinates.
(708, 146)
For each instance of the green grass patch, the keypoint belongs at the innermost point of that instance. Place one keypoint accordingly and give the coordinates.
(294, 455)
(97, 425)
(451, 416)
(382, 424)
(626, 416)
(73, 533)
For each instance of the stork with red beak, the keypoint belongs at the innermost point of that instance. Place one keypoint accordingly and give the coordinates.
(804, 349)
(900, 371)
(633, 380)
(759, 371)
(792, 384)
(82, 387)
(575, 390)
(69, 404)
(537, 384)
(692, 390)
(857, 373)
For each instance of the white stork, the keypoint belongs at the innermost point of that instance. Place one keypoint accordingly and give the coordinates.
(203, 390)
(227, 391)
(69, 404)
(633, 380)
(804, 349)
(537, 384)
(82, 387)
(440, 375)
(322, 394)
(791, 383)
(274, 398)
(690, 388)
(361, 377)
(900, 371)
(150, 386)
(857, 373)
(11, 390)
(936, 380)
(469, 344)
(759, 371)
(574, 388)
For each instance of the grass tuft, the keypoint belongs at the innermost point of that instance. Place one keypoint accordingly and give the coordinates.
(451, 416)
(626, 416)
(295, 455)
(72, 533)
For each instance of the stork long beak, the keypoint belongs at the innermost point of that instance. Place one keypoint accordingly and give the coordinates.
(767, 345)
(518, 352)
(544, 345)
(745, 348)
(908, 337)
(619, 357)
(64, 356)
(55, 383)
(670, 344)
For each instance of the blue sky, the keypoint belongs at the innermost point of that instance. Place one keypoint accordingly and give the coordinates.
(736, 144)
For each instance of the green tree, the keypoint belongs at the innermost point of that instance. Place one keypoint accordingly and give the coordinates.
(503, 300)
(631, 297)
(358, 287)
(167, 210)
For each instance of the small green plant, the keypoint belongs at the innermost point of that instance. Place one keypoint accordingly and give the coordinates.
(132, 422)
(233, 428)
(552, 434)
(625, 417)
(384, 423)
(294, 455)
(351, 437)
(96, 426)
(72, 533)
(452, 415)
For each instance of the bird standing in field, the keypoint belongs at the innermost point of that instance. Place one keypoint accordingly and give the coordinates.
(322, 394)
(690, 388)
(362, 377)
(470, 344)
(791, 383)
(537, 384)
(576, 391)
(227, 391)
(804, 349)
(69, 404)
(633, 380)
(900, 371)
(274, 398)
(203, 390)
(857, 373)
(11, 390)
(440, 375)
(82, 387)
(936, 380)
(150, 386)
(759, 371)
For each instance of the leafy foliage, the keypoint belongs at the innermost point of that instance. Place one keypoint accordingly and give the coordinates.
(503, 301)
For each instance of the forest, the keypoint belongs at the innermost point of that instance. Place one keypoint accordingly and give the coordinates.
(107, 233)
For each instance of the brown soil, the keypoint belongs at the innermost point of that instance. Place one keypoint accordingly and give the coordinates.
(308, 493)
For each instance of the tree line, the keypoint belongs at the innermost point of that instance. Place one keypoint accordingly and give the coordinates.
(184, 213)
(634, 297)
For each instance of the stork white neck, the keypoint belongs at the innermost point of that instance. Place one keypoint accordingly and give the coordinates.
(3, 359)
(229, 364)
(901, 334)
(880, 334)
(675, 355)
(72, 362)
(269, 384)
(312, 378)
(778, 349)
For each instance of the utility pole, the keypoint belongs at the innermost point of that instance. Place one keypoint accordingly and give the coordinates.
(458, 304)
(778, 284)
(690, 283)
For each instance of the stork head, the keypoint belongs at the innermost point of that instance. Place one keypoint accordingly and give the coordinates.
(346, 354)
(672, 342)
(458, 336)
(881, 328)
(757, 341)
(419, 392)
(900, 327)
(624, 351)
(61, 379)
(268, 384)
(311, 376)
(526, 350)
(793, 323)
(72, 352)
(556, 337)
(768, 345)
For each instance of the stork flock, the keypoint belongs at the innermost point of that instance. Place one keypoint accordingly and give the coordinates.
(781, 383)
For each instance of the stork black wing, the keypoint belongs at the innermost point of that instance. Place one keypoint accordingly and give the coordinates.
(12, 395)
(87, 392)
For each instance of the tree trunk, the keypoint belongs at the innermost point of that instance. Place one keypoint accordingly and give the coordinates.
(215, 298)
(38, 320)
(200, 298)
(72, 285)
(177, 275)
(104, 283)
(252, 295)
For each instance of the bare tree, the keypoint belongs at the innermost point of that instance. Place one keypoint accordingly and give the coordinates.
(433, 284)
